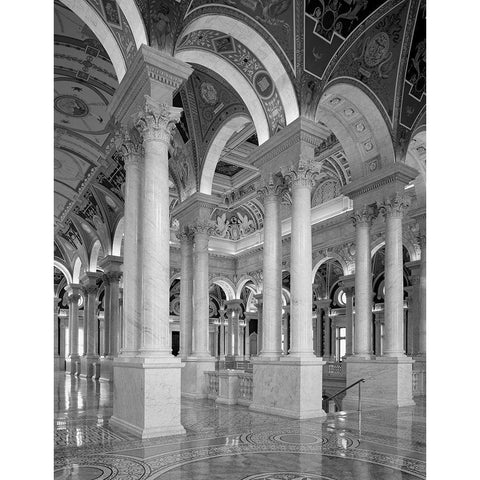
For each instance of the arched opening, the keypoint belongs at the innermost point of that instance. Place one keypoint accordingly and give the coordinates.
(118, 236)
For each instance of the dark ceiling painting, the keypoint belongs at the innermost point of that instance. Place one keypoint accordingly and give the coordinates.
(414, 94)
(374, 57)
(210, 102)
(247, 63)
(117, 23)
(226, 169)
(328, 23)
(275, 16)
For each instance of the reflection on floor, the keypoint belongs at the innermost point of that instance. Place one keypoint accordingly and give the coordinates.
(230, 442)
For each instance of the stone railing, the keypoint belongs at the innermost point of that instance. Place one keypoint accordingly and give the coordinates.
(212, 384)
(418, 383)
(335, 370)
(246, 388)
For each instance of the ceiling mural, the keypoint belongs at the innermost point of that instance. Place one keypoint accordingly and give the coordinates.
(118, 25)
(84, 83)
(327, 24)
(374, 57)
(277, 17)
(247, 63)
(414, 94)
(210, 101)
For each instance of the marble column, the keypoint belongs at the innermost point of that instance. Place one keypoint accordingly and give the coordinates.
(90, 357)
(186, 292)
(133, 155)
(348, 284)
(234, 310)
(112, 268)
(56, 355)
(422, 330)
(362, 220)
(271, 192)
(302, 180)
(222, 339)
(62, 344)
(201, 232)
(146, 374)
(393, 209)
(74, 293)
(379, 321)
(247, 336)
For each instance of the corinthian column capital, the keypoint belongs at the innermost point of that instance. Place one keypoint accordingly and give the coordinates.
(156, 120)
(394, 206)
(271, 187)
(363, 216)
(304, 174)
(203, 226)
(129, 142)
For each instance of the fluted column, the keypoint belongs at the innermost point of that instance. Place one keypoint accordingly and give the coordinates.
(234, 310)
(271, 192)
(133, 153)
(362, 220)
(186, 292)
(155, 123)
(55, 326)
(422, 330)
(393, 209)
(89, 282)
(302, 180)
(74, 295)
(201, 232)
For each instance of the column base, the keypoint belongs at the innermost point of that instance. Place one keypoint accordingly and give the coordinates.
(290, 387)
(87, 365)
(194, 381)
(146, 396)
(106, 369)
(72, 365)
(388, 382)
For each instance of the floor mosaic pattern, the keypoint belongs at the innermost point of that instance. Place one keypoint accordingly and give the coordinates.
(232, 443)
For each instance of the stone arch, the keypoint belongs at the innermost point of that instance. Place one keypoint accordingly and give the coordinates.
(64, 269)
(98, 26)
(244, 279)
(359, 125)
(226, 285)
(416, 158)
(77, 266)
(285, 296)
(238, 83)
(232, 125)
(377, 244)
(96, 249)
(135, 21)
(118, 237)
(262, 50)
(319, 261)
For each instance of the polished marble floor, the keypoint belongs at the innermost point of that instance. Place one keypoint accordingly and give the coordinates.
(232, 443)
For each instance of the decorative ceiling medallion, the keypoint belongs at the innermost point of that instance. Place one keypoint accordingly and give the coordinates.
(208, 93)
(71, 106)
(263, 84)
(349, 112)
(377, 50)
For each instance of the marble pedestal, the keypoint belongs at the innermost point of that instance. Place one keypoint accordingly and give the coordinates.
(194, 381)
(72, 364)
(290, 387)
(146, 396)
(388, 382)
(59, 363)
(87, 362)
(228, 387)
(106, 369)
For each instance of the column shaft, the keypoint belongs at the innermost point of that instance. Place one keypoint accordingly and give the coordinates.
(301, 266)
(247, 337)
(55, 326)
(422, 333)
(349, 322)
(114, 314)
(272, 270)
(200, 292)
(363, 284)
(186, 292)
(107, 316)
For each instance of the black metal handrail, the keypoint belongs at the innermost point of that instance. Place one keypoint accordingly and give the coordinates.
(362, 380)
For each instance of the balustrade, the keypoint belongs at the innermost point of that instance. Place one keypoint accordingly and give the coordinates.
(212, 384)
(246, 388)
